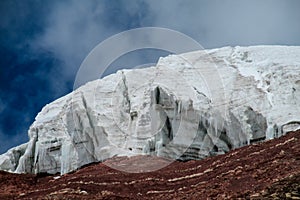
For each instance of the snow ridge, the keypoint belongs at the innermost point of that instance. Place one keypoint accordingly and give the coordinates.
(188, 106)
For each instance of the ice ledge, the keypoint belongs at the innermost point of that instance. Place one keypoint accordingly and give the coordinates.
(177, 109)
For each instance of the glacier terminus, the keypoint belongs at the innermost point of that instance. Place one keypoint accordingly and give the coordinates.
(188, 106)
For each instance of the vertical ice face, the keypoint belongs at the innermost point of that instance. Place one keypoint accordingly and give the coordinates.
(189, 106)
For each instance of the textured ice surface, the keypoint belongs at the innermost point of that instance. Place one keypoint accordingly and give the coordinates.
(188, 106)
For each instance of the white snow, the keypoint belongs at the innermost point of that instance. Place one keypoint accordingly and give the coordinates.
(189, 106)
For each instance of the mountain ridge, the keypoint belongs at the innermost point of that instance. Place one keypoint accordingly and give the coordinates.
(267, 170)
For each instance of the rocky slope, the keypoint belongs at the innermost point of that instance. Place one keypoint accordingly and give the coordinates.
(188, 106)
(268, 170)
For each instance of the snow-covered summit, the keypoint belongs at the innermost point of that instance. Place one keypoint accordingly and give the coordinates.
(188, 106)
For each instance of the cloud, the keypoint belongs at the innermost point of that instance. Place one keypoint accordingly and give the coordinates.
(42, 44)
(9, 141)
(74, 28)
(218, 23)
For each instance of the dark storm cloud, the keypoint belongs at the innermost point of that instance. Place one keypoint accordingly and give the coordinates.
(42, 46)
(73, 28)
(23, 75)
(42, 43)
(24, 89)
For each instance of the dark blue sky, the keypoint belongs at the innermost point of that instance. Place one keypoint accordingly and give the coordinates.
(43, 42)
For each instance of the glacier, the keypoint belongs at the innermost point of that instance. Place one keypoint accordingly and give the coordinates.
(188, 106)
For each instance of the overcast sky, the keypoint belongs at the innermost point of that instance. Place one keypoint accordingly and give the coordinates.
(43, 42)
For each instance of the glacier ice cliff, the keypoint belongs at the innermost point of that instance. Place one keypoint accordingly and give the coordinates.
(188, 106)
